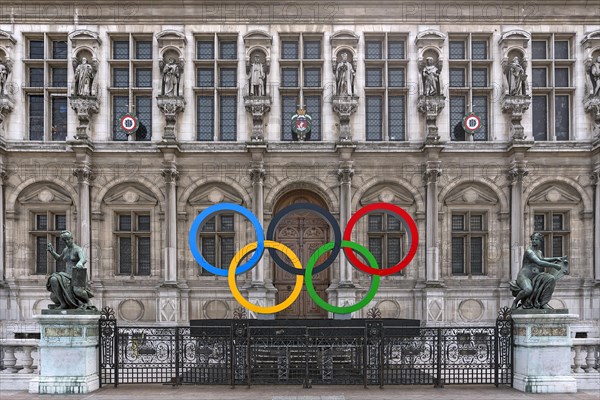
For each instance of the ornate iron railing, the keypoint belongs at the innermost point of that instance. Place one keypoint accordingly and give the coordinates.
(246, 352)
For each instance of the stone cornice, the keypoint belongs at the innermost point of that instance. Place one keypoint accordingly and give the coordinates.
(320, 11)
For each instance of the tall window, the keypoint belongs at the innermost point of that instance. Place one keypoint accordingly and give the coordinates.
(46, 87)
(469, 241)
(554, 225)
(46, 229)
(470, 89)
(301, 64)
(131, 84)
(217, 241)
(385, 88)
(133, 243)
(386, 240)
(216, 88)
(553, 88)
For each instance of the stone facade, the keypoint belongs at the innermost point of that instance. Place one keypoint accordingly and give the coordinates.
(91, 179)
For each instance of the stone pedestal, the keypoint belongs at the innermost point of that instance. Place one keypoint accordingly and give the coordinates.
(542, 351)
(68, 352)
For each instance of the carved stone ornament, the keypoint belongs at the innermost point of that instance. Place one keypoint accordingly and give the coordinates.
(85, 108)
(258, 107)
(432, 172)
(345, 106)
(515, 106)
(6, 107)
(431, 106)
(170, 107)
(591, 101)
(7, 42)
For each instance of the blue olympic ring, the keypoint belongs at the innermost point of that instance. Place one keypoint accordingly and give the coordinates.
(260, 238)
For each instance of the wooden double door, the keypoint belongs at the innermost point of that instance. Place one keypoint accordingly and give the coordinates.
(303, 232)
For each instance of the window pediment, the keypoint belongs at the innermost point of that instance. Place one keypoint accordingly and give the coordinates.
(213, 195)
(389, 195)
(130, 195)
(554, 194)
(471, 195)
(45, 195)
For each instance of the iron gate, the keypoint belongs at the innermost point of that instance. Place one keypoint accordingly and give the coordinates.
(239, 353)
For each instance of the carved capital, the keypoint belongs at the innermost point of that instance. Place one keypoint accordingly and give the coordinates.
(517, 172)
(595, 175)
(170, 174)
(433, 171)
(84, 174)
(345, 174)
(3, 175)
(257, 174)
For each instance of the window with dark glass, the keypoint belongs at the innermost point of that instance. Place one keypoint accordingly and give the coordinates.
(205, 50)
(121, 49)
(396, 77)
(228, 117)
(205, 77)
(469, 240)
(289, 77)
(143, 77)
(554, 225)
(395, 49)
(373, 50)
(143, 107)
(470, 89)
(121, 77)
(312, 77)
(312, 49)
(373, 77)
(288, 108)
(45, 87)
(205, 118)
(143, 50)
(120, 106)
(386, 238)
(313, 103)
(552, 87)
(374, 110)
(133, 242)
(289, 49)
(217, 241)
(227, 49)
(47, 227)
(396, 118)
(227, 77)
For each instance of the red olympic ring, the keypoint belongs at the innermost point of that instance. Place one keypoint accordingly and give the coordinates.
(404, 216)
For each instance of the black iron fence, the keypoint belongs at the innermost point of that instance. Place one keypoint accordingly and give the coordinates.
(244, 352)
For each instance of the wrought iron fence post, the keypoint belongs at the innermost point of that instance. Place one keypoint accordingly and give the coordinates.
(177, 344)
(306, 384)
(438, 378)
(496, 350)
(116, 347)
(248, 358)
(381, 356)
(233, 355)
(365, 355)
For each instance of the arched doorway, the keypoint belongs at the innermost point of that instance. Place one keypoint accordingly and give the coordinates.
(303, 232)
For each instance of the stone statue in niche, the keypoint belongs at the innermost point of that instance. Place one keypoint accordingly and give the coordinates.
(5, 70)
(516, 78)
(84, 77)
(594, 76)
(533, 288)
(257, 77)
(344, 77)
(171, 73)
(430, 73)
(69, 289)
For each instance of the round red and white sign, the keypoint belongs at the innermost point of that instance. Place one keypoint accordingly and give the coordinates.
(471, 123)
(129, 123)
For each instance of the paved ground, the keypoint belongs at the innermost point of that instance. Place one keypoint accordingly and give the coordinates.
(160, 392)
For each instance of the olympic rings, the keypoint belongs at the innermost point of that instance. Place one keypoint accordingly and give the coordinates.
(302, 275)
(260, 237)
(412, 232)
(253, 307)
(322, 303)
(324, 213)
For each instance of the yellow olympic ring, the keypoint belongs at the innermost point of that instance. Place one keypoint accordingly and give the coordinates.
(253, 307)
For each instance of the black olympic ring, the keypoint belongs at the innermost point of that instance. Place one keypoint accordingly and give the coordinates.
(325, 214)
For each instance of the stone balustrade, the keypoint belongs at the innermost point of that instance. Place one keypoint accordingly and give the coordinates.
(586, 363)
(19, 365)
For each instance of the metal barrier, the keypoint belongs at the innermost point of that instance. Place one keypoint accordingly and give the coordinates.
(244, 352)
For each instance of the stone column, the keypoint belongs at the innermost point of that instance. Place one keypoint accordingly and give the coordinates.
(85, 175)
(345, 174)
(170, 174)
(257, 176)
(431, 176)
(542, 351)
(596, 179)
(3, 178)
(516, 173)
